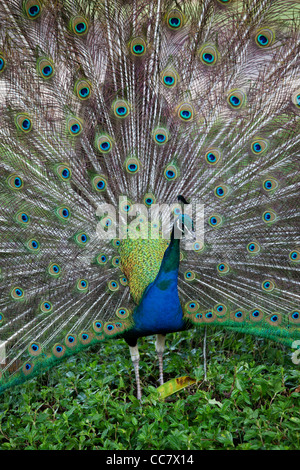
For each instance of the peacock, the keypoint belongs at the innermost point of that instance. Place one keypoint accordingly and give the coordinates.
(149, 174)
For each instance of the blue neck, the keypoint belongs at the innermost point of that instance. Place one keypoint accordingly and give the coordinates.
(159, 310)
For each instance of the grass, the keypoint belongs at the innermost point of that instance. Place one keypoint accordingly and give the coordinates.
(250, 401)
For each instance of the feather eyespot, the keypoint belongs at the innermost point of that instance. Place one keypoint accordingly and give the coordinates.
(27, 368)
(58, 350)
(149, 199)
(237, 316)
(82, 285)
(33, 245)
(171, 172)
(104, 143)
(86, 337)
(23, 218)
(259, 146)
(79, 25)
(294, 317)
(17, 293)
(45, 68)
(268, 285)
(208, 55)
(71, 341)
(122, 313)
(274, 319)
(256, 315)
(189, 276)
(169, 78)
(160, 136)
(220, 310)
(35, 349)
(270, 184)
(116, 243)
(221, 191)
(63, 213)
(212, 156)
(191, 307)
(113, 286)
(15, 182)
(186, 112)
(32, 8)
(99, 183)
(46, 307)
(264, 38)
(64, 172)
(223, 268)
(54, 270)
(23, 123)
(116, 261)
(295, 256)
(83, 89)
(132, 165)
(123, 281)
(101, 259)
(236, 99)
(81, 238)
(74, 126)
(2, 63)
(138, 46)
(1, 318)
(296, 99)
(198, 246)
(269, 216)
(97, 326)
(253, 248)
(121, 109)
(175, 19)
(215, 220)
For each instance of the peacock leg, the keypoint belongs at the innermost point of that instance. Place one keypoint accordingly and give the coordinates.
(160, 347)
(204, 354)
(135, 357)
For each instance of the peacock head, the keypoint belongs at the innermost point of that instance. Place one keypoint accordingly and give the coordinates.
(183, 225)
(184, 228)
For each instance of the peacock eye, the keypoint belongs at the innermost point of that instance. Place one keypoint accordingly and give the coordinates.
(169, 78)
(74, 126)
(23, 123)
(208, 55)
(269, 216)
(160, 136)
(2, 63)
(81, 238)
(215, 220)
(104, 144)
(132, 165)
(83, 89)
(171, 172)
(295, 256)
(121, 109)
(221, 191)
(236, 99)
(79, 25)
(175, 19)
(264, 38)
(45, 68)
(15, 182)
(32, 9)
(138, 47)
(223, 268)
(186, 112)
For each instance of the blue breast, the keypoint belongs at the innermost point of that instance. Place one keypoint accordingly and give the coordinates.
(159, 310)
